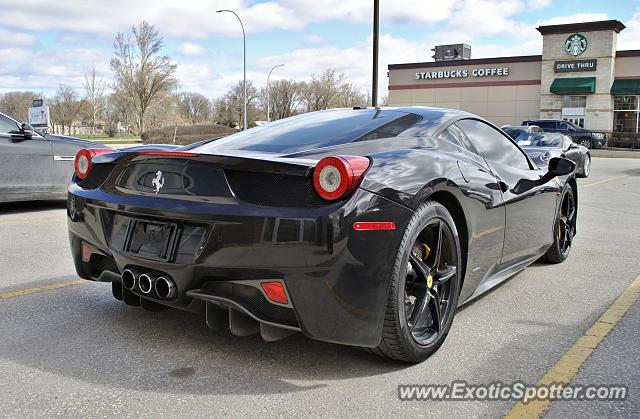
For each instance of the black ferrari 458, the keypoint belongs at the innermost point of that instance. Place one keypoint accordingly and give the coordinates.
(363, 227)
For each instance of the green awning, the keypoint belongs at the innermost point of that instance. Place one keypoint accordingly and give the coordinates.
(625, 87)
(574, 85)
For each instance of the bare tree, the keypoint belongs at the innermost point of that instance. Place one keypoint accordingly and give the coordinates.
(94, 87)
(322, 92)
(163, 112)
(285, 98)
(194, 108)
(16, 103)
(223, 112)
(66, 106)
(350, 95)
(140, 69)
(234, 99)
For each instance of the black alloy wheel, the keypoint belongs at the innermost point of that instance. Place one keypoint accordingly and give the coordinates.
(432, 263)
(566, 222)
(564, 228)
(424, 288)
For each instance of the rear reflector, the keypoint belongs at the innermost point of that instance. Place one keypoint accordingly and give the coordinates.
(275, 291)
(87, 251)
(374, 225)
(168, 153)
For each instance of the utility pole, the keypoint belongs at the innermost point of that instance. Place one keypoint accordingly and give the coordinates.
(244, 64)
(376, 34)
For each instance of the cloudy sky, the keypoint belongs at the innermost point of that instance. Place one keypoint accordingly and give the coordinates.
(44, 43)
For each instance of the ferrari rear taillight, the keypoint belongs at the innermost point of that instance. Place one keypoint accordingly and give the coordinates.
(336, 177)
(82, 162)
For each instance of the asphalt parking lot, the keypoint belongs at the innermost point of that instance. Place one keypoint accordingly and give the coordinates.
(67, 348)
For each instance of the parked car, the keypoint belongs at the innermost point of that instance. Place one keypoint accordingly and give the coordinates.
(542, 147)
(35, 166)
(365, 227)
(584, 137)
(514, 131)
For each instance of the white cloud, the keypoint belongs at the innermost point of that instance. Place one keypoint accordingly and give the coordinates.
(16, 39)
(191, 50)
(630, 37)
(538, 4)
(484, 18)
(532, 47)
(577, 18)
(314, 39)
(196, 19)
(18, 72)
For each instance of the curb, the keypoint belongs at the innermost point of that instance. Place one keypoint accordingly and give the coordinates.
(623, 154)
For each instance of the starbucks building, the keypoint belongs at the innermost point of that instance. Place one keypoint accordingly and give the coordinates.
(580, 77)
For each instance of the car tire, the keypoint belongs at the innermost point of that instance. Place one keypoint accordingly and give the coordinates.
(398, 341)
(564, 228)
(586, 166)
(585, 142)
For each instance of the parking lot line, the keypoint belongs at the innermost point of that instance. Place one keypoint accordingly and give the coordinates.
(33, 220)
(567, 367)
(48, 287)
(605, 180)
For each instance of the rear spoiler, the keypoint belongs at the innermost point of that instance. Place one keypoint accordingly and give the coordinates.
(250, 163)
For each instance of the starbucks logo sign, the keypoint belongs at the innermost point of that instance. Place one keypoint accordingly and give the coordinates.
(576, 44)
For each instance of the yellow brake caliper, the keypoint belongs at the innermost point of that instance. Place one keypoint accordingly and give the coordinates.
(427, 250)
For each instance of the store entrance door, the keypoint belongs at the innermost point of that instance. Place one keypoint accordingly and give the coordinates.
(573, 109)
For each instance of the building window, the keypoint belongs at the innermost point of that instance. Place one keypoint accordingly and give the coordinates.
(626, 111)
(573, 109)
(574, 101)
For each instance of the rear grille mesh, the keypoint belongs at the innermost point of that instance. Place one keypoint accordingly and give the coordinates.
(97, 176)
(253, 300)
(274, 190)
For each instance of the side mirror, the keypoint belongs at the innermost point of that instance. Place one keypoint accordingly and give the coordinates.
(27, 131)
(572, 146)
(560, 167)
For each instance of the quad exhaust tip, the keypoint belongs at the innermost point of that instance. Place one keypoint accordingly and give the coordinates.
(145, 283)
(165, 288)
(130, 279)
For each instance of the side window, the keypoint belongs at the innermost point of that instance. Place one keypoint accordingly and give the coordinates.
(546, 124)
(7, 126)
(459, 137)
(451, 136)
(493, 145)
(393, 128)
(564, 126)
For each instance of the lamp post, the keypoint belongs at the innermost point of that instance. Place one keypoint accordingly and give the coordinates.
(244, 65)
(376, 31)
(269, 92)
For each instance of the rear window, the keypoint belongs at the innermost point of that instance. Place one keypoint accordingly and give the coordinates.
(316, 130)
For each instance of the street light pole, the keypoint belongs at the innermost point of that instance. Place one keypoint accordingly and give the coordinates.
(376, 32)
(244, 65)
(269, 92)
